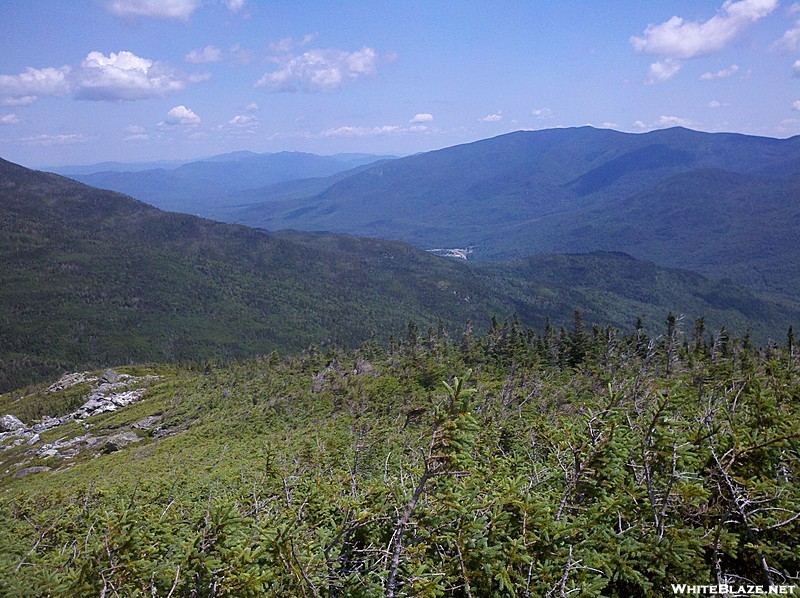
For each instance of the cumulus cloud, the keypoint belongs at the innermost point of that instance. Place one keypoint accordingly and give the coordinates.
(542, 113)
(251, 107)
(320, 70)
(796, 105)
(721, 74)
(714, 104)
(491, 118)
(155, 9)
(181, 115)
(9, 119)
(677, 39)
(235, 5)
(123, 76)
(116, 77)
(422, 118)
(22, 89)
(796, 68)
(207, 54)
(682, 39)
(663, 70)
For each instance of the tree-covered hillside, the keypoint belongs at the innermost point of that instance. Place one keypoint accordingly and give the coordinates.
(519, 463)
(720, 204)
(90, 278)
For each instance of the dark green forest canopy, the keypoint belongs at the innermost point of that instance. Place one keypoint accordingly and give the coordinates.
(553, 461)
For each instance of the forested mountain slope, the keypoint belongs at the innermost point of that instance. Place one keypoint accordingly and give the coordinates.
(90, 278)
(720, 204)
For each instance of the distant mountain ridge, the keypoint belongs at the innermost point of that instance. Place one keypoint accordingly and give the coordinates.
(91, 278)
(195, 186)
(673, 196)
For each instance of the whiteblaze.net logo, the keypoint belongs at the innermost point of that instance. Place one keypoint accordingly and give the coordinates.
(734, 590)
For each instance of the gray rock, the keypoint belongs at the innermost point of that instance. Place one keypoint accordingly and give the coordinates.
(9, 423)
(25, 471)
(119, 440)
(110, 376)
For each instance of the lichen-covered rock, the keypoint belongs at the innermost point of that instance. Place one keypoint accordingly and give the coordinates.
(119, 440)
(10, 423)
(25, 471)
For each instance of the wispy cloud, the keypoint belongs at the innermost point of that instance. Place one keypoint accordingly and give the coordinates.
(383, 130)
(721, 74)
(9, 119)
(491, 118)
(68, 139)
(320, 70)
(202, 55)
(154, 9)
(243, 121)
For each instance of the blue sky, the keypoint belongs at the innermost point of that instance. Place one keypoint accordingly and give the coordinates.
(84, 81)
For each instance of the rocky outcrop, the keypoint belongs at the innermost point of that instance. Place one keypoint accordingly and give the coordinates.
(111, 391)
(9, 423)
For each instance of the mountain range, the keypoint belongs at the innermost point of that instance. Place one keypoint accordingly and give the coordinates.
(196, 187)
(91, 277)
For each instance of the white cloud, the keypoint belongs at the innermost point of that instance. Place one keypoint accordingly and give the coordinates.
(796, 68)
(251, 107)
(156, 9)
(123, 76)
(20, 101)
(23, 88)
(239, 55)
(640, 125)
(542, 113)
(790, 41)
(361, 131)
(680, 39)
(373, 131)
(9, 119)
(796, 105)
(243, 120)
(235, 5)
(422, 118)
(207, 54)
(714, 104)
(721, 74)
(673, 121)
(677, 39)
(320, 70)
(181, 115)
(287, 44)
(137, 137)
(491, 118)
(663, 70)
(70, 139)
(135, 129)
